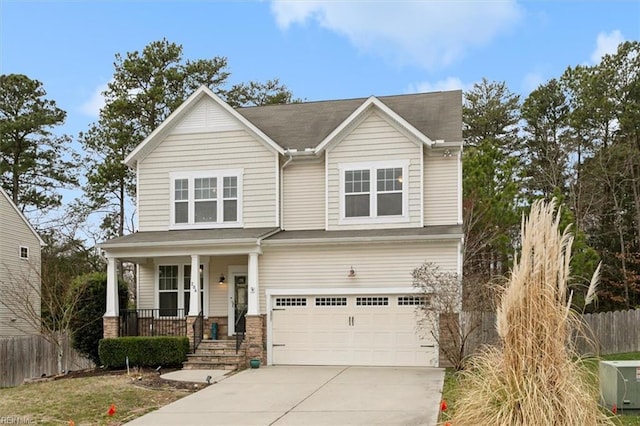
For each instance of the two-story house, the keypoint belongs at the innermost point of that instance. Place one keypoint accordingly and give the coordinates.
(299, 224)
(20, 250)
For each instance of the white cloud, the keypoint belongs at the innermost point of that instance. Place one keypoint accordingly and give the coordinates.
(531, 81)
(606, 44)
(449, 83)
(427, 33)
(95, 103)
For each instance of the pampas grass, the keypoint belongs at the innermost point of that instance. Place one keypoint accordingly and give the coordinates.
(533, 377)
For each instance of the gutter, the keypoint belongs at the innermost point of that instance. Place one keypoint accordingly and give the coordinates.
(352, 240)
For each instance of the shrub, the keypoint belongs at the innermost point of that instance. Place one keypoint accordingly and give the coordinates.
(143, 351)
(87, 325)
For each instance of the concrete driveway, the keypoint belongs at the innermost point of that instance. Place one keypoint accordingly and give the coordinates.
(288, 395)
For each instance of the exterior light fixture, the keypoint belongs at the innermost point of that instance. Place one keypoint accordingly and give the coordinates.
(447, 153)
(222, 279)
(352, 273)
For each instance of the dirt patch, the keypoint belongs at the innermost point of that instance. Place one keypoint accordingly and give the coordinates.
(146, 378)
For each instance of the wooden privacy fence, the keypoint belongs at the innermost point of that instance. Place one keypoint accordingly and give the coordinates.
(600, 334)
(26, 357)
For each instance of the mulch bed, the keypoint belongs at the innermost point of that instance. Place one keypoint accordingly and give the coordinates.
(147, 378)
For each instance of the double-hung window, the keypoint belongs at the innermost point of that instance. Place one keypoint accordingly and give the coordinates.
(206, 199)
(374, 191)
(168, 290)
(174, 300)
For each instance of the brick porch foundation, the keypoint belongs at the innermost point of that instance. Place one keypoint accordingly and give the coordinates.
(254, 337)
(111, 327)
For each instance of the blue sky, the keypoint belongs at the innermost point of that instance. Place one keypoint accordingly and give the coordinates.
(320, 50)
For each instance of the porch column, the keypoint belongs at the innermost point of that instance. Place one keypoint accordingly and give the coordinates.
(112, 288)
(253, 302)
(194, 290)
(111, 320)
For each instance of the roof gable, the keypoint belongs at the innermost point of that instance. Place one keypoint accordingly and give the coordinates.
(22, 217)
(194, 104)
(372, 103)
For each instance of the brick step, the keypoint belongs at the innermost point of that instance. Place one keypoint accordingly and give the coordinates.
(224, 359)
(205, 365)
(219, 344)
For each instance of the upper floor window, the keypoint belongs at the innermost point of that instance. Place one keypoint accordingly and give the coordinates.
(24, 252)
(374, 191)
(209, 199)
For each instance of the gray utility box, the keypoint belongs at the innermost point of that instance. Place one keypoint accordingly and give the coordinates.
(620, 384)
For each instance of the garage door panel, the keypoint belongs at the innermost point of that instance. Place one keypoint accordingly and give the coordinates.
(372, 330)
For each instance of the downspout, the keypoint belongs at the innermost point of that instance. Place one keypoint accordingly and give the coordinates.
(281, 189)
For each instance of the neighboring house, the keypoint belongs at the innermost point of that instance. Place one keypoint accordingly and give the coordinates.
(301, 223)
(20, 250)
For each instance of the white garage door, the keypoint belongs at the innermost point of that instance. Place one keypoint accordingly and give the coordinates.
(376, 330)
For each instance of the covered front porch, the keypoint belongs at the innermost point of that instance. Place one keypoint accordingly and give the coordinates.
(187, 282)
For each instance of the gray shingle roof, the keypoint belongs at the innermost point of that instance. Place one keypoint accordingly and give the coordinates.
(437, 231)
(250, 235)
(195, 236)
(438, 115)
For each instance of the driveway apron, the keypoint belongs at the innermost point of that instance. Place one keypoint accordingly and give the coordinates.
(310, 395)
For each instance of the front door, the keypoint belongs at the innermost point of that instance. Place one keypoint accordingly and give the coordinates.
(240, 302)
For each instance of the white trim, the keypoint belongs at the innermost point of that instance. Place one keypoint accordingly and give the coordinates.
(137, 195)
(352, 240)
(460, 259)
(459, 187)
(112, 308)
(270, 293)
(22, 216)
(148, 144)
(20, 252)
(138, 282)
(326, 191)
(253, 286)
(373, 167)
(232, 272)
(219, 175)
(278, 187)
(422, 186)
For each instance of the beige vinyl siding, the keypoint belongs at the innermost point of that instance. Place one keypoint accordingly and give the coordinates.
(379, 264)
(147, 286)
(440, 189)
(374, 139)
(219, 294)
(202, 152)
(205, 115)
(304, 196)
(19, 278)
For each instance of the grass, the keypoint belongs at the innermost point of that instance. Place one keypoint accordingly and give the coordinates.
(452, 391)
(83, 400)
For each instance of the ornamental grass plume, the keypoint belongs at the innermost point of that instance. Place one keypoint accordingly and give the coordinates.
(533, 377)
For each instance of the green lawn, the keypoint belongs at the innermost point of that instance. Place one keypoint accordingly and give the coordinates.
(452, 389)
